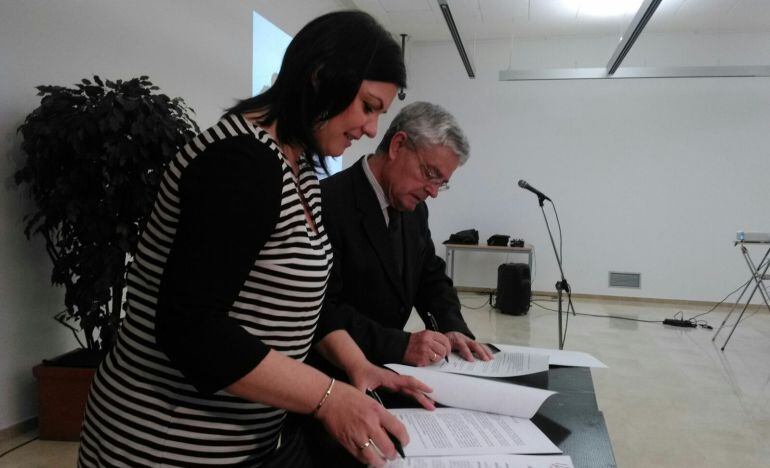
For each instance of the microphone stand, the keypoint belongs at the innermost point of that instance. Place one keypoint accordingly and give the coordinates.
(561, 286)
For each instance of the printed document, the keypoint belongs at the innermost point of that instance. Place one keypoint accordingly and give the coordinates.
(505, 364)
(462, 391)
(556, 357)
(485, 461)
(452, 431)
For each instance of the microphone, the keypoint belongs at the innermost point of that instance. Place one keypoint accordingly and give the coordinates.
(523, 184)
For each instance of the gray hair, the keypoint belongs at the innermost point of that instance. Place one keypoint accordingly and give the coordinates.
(426, 125)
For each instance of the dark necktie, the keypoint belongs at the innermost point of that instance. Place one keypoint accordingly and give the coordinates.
(396, 238)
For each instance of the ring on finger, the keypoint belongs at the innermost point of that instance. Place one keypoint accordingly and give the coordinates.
(377, 449)
(366, 444)
(434, 357)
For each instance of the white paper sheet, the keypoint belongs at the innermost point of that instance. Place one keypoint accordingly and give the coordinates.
(452, 431)
(505, 364)
(485, 461)
(557, 357)
(462, 391)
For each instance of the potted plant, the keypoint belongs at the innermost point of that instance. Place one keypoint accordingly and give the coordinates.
(95, 154)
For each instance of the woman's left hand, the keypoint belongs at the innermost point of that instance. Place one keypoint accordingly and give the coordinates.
(369, 376)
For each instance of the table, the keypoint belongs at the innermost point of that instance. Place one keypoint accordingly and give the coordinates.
(449, 257)
(571, 418)
(758, 276)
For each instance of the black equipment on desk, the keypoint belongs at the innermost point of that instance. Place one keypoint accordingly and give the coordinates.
(498, 240)
(467, 237)
(514, 289)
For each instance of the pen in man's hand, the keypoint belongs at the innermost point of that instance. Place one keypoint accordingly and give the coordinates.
(434, 326)
(396, 442)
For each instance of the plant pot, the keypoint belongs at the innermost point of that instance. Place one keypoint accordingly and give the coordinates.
(63, 385)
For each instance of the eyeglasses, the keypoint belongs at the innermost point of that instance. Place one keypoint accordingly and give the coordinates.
(431, 174)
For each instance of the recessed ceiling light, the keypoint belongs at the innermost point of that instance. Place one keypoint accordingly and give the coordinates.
(604, 7)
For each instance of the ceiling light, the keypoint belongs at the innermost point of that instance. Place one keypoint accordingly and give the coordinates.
(450, 22)
(635, 28)
(603, 7)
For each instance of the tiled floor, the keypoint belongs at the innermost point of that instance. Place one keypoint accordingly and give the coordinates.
(670, 397)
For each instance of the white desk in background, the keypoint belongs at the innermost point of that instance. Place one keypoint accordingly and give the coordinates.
(452, 248)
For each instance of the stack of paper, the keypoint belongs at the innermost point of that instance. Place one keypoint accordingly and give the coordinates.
(452, 431)
(459, 391)
(485, 461)
(556, 357)
(487, 424)
(505, 364)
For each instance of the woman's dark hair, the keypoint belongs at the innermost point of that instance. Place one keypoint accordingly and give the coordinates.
(322, 70)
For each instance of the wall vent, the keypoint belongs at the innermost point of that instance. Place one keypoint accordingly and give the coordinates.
(625, 280)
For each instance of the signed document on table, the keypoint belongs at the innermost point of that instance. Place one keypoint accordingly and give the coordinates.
(505, 364)
(452, 431)
(485, 461)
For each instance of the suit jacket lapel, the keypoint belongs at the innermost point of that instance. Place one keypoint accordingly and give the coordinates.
(374, 227)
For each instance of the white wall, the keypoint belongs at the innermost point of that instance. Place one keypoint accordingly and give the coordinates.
(199, 50)
(652, 176)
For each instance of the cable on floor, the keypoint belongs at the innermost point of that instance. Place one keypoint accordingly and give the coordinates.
(17, 447)
(722, 301)
(599, 315)
(486, 303)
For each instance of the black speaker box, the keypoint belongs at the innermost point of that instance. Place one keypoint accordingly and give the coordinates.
(514, 288)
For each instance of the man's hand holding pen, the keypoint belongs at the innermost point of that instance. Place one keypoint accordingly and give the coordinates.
(428, 346)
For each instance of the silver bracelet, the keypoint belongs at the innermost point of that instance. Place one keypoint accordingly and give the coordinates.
(323, 398)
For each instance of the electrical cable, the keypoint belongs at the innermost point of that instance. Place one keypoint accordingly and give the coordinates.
(680, 314)
(723, 300)
(601, 316)
(561, 255)
(17, 447)
(486, 303)
(569, 289)
(704, 324)
(571, 306)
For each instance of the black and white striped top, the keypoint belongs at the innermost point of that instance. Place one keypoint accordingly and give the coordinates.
(226, 268)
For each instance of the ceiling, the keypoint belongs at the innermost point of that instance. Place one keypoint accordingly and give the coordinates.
(504, 19)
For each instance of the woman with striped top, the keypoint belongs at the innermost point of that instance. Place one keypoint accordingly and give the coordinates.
(230, 272)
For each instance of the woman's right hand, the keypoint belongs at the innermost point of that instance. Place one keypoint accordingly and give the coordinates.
(353, 418)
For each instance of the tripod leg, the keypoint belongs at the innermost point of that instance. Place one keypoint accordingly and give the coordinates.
(748, 284)
(746, 306)
(561, 338)
(736, 323)
(759, 278)
(759, 285)
(753, 269)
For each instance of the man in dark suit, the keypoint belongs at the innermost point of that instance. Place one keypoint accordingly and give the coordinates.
(384, 259)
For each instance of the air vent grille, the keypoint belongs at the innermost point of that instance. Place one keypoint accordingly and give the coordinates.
(625, 280)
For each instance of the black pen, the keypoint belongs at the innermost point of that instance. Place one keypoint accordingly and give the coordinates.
(434, 326)
(393, 438)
